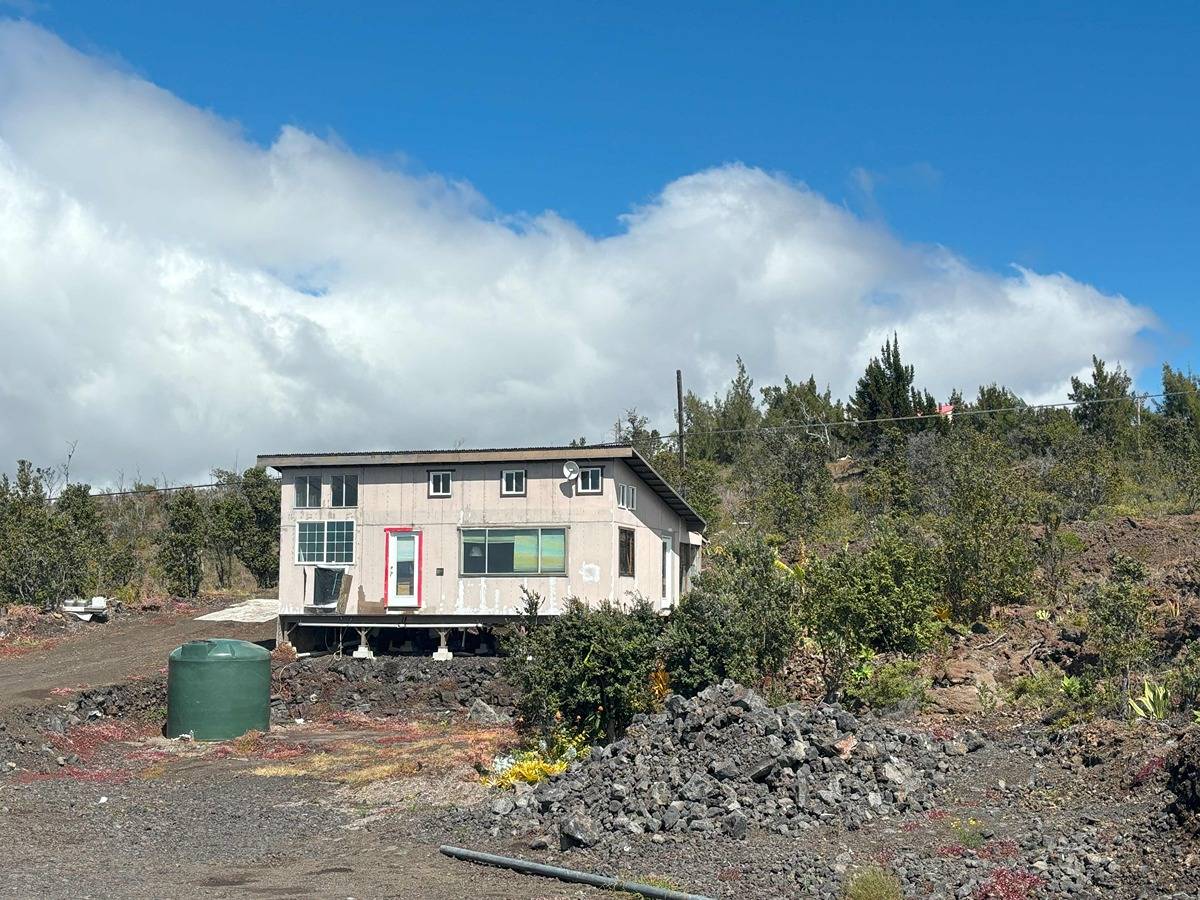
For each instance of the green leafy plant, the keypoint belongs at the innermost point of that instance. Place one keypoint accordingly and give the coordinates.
(1073, 688)
(1153, 704)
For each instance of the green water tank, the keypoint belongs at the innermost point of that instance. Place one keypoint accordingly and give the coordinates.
(218, 689)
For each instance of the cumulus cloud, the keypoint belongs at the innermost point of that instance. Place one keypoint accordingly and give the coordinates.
(174, 295)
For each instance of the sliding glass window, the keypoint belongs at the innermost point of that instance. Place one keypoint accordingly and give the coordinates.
(514, 551)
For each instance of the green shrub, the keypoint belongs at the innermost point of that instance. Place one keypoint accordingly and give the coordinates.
(588, 669)
(873, 883)
(738, 621)
(983, 505)
(890, 686)
(857, 603)
(1118, 616)
(1039, 690)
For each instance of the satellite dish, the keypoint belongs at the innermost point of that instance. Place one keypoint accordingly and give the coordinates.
(570, 470)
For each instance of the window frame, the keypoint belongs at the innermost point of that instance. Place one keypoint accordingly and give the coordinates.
(580, 489)
(668, 552)
(449, 492)
(342, 477)
(324, 560)
(627, 496)
(621, 569)
(308, 482)
(504, 491)
(566, 533)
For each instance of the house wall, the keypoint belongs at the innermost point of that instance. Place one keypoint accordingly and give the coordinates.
(398, 497)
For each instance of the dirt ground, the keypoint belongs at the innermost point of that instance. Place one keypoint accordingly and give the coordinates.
(79, 654)
(137, 815)
(354, 803)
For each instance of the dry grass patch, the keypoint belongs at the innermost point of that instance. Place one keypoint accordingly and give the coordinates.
(393, 749)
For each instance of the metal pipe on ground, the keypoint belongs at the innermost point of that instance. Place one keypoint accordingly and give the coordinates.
(607, 882)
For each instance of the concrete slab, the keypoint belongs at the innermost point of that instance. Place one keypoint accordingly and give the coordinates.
(260, 609)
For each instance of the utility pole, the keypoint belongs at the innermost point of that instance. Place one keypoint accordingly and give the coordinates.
(679, 427)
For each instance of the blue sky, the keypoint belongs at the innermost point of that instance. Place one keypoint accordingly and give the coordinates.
(1061, 138)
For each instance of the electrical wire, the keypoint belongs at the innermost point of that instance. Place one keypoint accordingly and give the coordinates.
(887, 420)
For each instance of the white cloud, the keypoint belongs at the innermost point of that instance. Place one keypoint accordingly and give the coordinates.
(173, 295)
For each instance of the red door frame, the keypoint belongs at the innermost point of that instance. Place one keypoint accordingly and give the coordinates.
(387, 563)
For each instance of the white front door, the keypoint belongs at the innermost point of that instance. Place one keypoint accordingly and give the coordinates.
(667, 592)
(404, 571)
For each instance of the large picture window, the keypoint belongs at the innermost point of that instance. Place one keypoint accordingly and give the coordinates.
(331, 543)
(514, 551)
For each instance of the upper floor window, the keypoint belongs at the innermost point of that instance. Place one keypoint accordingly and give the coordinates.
(343, 490)
(625, 552)
(512, 483)
(308, 491)
(626, 496)
(325, 542)
(440, 483)
(591, 480)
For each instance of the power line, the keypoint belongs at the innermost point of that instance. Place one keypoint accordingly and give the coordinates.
(166, 490)
(930, 417)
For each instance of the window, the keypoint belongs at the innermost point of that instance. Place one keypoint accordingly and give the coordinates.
(625, 552)
(308, 491)
(344, 490)
(325, 542)
(439, 484)
(591, 480)
(514, 551)
(626, 496)
(512, 483)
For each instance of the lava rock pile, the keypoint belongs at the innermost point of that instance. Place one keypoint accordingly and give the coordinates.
(725, 761)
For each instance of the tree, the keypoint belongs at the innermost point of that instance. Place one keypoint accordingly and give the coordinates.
(634, 429)
(1106, 406)
(1182, 400)
(736, 416)
(31, 547)
(886, 391)
(801, 404)
(181, 544)
(51, 551)
(258, 546)
(229, 519)
(789, 491)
